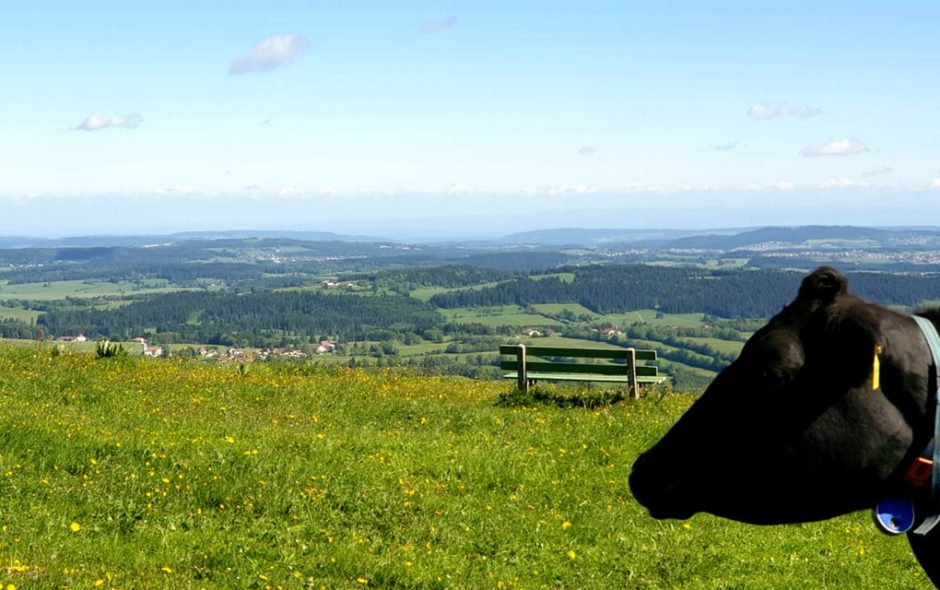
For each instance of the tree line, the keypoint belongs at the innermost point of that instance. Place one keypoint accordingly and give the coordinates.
(253, 318)
(744, 293)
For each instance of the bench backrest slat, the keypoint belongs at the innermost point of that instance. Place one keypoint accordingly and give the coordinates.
(594, 353)
(606, 369)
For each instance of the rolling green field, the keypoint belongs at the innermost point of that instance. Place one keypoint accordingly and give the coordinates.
(498, 315)
(556, 308)
(425, 293)
(649, 316)
(725, 346)
(56, 290)
(18, 313)
(122, 473)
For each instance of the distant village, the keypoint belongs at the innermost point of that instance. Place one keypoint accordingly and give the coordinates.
(139, 345)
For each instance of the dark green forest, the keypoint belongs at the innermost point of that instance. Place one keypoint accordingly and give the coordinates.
(727, 294)
(254, 318)
(259, 317)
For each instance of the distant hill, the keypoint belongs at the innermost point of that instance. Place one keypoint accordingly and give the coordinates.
(146, 240)
(307, 236)
(719, 239)
(794, 236)
(573, 236)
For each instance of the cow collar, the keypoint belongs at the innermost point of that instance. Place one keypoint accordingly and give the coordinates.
(933, 342)
(895, 515)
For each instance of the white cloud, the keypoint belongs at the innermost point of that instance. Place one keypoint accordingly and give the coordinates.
(837, 147)
(569, 189)
(270, 54)
(587, 150)
(783, 185)
(935, 183)
(440, 25)
(179, 190)
(842, 183)
(762, 112)
(461, 189)
(289, 191)
(95, 123)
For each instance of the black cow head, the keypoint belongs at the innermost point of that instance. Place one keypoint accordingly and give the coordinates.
(793, 429)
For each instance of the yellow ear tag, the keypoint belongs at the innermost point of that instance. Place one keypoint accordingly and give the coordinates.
(876, 369)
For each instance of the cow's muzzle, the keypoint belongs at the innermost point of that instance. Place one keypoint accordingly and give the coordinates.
(659, 490)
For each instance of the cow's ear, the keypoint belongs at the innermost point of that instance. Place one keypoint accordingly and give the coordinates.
(850, 341)
(825, 283)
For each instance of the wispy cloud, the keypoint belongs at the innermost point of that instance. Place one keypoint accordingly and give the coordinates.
(95, 123)
(289, 191)
(724, 147)
(270, 54)
(587, 150)
(837, 147)
(763, 112)
(440, 25)
(461, 188)
(935, 183)
(569, 189)
(842, 183)
(879, 171)
(783, 185)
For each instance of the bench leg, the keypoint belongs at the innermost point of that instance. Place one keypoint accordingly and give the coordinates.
(523, 380)
(633, 388)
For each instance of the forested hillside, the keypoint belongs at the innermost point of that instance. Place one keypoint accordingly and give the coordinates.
(728, 294)
(258, 318)
(442, 307)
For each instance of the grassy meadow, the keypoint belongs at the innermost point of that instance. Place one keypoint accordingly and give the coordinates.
(134, 473)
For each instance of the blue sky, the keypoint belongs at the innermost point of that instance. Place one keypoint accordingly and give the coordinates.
(466, 118)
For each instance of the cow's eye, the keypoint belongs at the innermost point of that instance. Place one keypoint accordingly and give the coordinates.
(775, 377)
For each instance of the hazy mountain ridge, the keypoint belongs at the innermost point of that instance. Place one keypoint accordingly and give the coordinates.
(130, 241)
(795, 246)
(813, 235)
(732, 238)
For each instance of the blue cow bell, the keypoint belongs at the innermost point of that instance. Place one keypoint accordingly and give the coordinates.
(894, 516)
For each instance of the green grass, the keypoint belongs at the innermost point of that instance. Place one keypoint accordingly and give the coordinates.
(425, 293)
(725, 346)
(123, 473)
(556, 308)
(498, 315)
(564, 277)
(649, 316)
(18, 313)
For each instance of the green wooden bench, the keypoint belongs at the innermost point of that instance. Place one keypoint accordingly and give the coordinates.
(530, 364)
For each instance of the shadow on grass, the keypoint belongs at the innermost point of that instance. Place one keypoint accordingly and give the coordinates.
(568, 397)
(578, 397)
